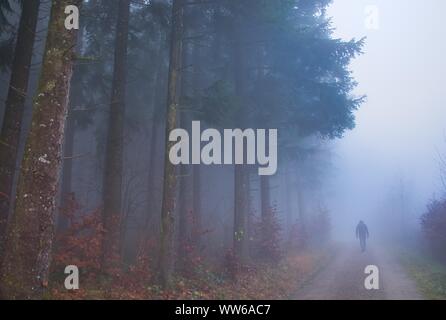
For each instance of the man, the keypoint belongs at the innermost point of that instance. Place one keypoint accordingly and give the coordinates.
(362, 232)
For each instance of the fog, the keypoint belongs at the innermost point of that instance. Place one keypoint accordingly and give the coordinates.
(400, 129)
(349, 91)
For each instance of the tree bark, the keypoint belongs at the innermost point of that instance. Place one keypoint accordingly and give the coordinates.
(166, 262)
(265, 202)
(183, 208)
(196, 207)
(184, 170)
(156, 101)
(183, 222)
(66, 196)
(67, 168)
(196, 178)
(241, 176)
(112, 193)
(25, 269)
(14, 108)
(240, 237)
(151, 176)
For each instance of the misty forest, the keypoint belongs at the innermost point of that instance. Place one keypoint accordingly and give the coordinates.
(87, 181)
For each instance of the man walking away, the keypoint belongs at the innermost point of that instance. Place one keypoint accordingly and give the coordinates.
(362, 232)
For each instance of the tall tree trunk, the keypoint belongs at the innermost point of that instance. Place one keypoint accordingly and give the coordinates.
(240, 238)
(14, 108)
(70, 132)
(196, 178)
(156, 101)
(67, 167)
(184, 175)
(183, 216)
(265, 202)
(28, 249)
(166, 262)
(196, 207)
(241, 176)
(151, 175)
(112, 193)
(183, 207)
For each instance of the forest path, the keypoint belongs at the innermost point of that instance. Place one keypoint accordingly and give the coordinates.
(343, 278)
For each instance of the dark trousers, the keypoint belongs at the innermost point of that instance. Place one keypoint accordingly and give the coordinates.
(362, 243)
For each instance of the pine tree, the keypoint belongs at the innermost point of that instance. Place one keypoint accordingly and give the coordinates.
(14, 108)
(166, 257)
(28, 249)
(112, 193)
(7, 35)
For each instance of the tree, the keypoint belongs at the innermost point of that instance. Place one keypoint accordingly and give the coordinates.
(265, 202)
(184, 170)
(158, 107)
(433, 223)
(14, 108)
(157, 118)
(189, 226)
(112, 193)
(73, 122)
(7, 35)
(241, 173)
(166, 256)
(306, 86)
(28, 249)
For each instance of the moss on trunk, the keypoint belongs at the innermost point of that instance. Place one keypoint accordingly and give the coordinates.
(24, 273)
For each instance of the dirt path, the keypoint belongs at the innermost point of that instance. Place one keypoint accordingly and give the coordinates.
(344, 278)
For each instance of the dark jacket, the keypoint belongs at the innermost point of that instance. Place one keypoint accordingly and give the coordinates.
(362, 231)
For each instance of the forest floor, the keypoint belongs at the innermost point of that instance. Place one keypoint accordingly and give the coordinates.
(335, 273)
(343, 278)
(262, 281)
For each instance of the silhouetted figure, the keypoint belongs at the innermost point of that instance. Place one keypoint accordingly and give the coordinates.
(362, 232)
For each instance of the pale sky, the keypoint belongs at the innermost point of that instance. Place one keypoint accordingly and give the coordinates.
(402, 126)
